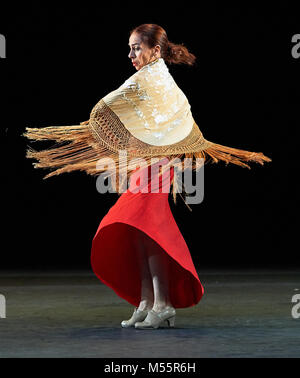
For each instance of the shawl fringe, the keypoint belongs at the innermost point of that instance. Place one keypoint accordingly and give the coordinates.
(77, 149)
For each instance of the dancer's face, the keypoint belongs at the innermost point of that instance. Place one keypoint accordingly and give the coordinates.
(140, 54)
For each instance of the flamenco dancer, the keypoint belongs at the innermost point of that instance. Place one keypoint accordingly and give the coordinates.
(138, 250)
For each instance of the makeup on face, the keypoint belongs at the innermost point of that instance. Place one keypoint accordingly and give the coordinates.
(139, 52)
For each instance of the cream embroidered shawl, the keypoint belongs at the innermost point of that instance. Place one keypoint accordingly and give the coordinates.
(147, 116)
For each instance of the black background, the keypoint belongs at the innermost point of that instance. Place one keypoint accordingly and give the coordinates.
(244, 93)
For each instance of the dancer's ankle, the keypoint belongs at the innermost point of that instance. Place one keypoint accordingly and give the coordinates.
(160, 306)
(145, 305)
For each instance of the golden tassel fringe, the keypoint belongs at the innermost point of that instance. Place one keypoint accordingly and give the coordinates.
(232, 155)
(83, 151)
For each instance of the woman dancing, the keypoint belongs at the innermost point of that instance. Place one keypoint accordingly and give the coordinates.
(138, 249)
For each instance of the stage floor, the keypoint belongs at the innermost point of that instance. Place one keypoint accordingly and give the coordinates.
(72, 314)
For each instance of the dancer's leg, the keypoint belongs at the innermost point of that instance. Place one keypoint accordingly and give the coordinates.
(147, 297)
(158, 266)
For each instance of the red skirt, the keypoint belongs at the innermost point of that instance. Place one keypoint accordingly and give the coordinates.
(144, 214)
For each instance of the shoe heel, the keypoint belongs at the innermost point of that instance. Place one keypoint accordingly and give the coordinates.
(170, 322)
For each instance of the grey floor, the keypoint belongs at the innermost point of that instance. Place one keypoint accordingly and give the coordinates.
(72, 314)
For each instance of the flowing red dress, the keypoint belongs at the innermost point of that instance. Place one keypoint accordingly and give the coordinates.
(114, 250)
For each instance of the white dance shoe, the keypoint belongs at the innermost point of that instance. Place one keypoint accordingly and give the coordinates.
(137, 316)
(154, 320)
